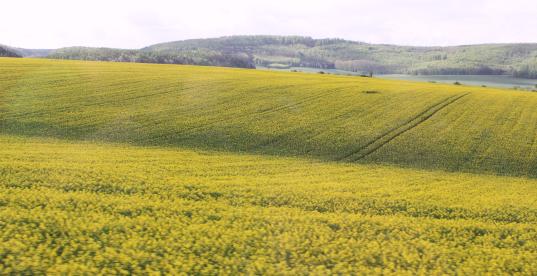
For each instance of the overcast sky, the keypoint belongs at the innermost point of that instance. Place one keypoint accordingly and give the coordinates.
(135, 24)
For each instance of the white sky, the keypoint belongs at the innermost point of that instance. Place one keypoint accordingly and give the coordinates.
(135, 23)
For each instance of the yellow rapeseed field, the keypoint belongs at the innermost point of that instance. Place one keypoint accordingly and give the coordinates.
(80, 207)
(148, 169)
(334, 118)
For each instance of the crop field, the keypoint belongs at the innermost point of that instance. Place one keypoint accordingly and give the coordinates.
(67, 207)
(140, 168)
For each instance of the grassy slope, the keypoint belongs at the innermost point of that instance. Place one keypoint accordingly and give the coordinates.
(67, 206)
(325, 117)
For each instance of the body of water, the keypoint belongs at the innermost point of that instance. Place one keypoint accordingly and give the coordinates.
(477, 80)
(500, 81)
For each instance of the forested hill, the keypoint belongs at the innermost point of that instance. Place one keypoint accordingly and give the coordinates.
(519, 60)
(292, 51)
(21, 52)
(4, 52)
(198, 56)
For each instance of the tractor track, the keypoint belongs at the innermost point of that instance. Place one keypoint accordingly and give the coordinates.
(387, 137)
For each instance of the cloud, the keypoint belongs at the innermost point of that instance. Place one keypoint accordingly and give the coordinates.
(135, 23)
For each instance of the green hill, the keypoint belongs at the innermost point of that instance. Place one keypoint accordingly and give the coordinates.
(195, 56)
(489, 59)
(121, 168)
(519, 60)
(335, 118)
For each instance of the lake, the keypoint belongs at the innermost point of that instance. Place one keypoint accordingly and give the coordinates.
(501, 81)
(477, 80)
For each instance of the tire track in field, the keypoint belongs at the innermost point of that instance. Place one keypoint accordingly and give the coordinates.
(389, 136)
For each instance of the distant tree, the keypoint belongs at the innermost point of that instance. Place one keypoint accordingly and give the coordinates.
(7, 53)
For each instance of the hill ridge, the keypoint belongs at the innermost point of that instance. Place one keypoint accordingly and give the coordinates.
(516, 59)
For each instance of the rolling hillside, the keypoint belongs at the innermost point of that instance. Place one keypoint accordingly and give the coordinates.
(518, 60)
(277, 51)
(121, 168)
(347, 119)
(273, 51)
